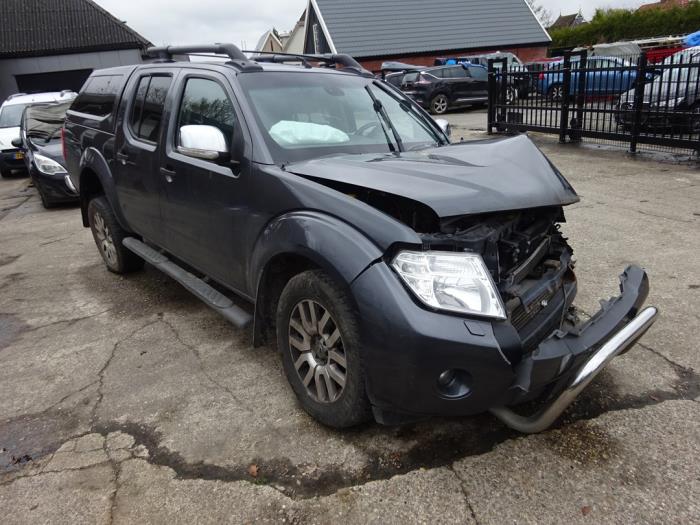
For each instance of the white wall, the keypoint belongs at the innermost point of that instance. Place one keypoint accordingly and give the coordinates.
(22, 66)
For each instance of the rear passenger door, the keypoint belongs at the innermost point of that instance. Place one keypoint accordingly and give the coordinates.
(138, 148)
(205, 205)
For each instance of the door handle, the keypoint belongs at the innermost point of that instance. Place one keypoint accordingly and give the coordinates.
(168, 174)
(123, 158)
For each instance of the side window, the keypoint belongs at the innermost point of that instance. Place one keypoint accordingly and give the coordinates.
(205, 102)
(147, 110)
(456, 72)
(98, 96)
(438, 73)
(479, 73)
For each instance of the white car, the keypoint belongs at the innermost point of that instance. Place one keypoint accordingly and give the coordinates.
(11, 157)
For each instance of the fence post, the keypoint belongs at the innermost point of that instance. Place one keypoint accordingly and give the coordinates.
(492, 97)
(580, 96)
(503, 117)
(638, 100)
(566, 87)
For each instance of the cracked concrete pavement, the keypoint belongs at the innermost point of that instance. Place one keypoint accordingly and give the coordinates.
(125, 400)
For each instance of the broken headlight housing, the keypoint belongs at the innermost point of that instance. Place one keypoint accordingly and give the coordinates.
(456, 282)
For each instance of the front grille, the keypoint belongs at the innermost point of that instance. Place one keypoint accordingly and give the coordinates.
(523, 314)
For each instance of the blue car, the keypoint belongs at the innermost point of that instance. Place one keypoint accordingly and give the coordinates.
(605, 76)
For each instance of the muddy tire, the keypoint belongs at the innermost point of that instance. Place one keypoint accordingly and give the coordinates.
(319, 337)
(108, 235)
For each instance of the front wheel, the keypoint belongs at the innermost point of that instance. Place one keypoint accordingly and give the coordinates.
(511, 95)
(556, 93)
(108, 235)
(438, 105)
(319, 337)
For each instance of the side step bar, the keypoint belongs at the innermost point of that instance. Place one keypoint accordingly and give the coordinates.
(212, 297)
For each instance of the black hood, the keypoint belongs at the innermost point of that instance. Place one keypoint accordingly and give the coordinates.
(52, 150)
(468, 178)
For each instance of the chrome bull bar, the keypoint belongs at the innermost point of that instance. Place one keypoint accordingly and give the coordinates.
(617, 344)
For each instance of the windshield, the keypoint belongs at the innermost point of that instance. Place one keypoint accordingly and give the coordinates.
(11, 116)
(44, 122)
(304, 116)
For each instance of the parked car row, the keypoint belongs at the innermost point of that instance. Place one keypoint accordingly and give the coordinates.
(30, 141)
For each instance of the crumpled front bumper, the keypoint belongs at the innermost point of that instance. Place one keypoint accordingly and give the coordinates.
(567, 361)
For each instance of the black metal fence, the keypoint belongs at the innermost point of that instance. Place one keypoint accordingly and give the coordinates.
(627, 100)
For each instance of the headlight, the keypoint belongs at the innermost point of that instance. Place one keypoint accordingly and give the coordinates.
(47, 165)
(458, 282)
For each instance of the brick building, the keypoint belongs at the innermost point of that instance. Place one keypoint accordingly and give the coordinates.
(418, 31)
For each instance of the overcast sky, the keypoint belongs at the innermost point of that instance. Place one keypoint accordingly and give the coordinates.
(238, 21)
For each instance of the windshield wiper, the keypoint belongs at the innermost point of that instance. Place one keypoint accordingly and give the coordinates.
(384, 118)
(408, 108)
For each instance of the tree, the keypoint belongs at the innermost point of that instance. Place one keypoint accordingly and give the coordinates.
(542, 14)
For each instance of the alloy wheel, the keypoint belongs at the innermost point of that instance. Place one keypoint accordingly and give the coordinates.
(511, 95)
(440, 104)
(557, 93)
(104, 239)
(317, 351)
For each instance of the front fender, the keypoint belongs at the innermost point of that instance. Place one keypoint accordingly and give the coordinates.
(333, 245)
(93, 161)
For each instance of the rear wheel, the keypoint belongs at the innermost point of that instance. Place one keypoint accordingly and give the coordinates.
(5, 173)
(438, 105)
(318, 335)
(108, 235)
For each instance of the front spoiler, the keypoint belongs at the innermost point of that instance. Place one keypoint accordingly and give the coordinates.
(571, 360)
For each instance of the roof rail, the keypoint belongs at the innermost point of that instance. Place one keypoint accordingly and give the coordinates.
(238, 59)
(346, 61)
(15, 95)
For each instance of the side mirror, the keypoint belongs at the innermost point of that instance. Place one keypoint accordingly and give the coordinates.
(17, 142)
(444, 126)
(202, 142)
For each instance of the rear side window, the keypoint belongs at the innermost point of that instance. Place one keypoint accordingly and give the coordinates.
(478, 73)
(438, 73)
(147, 110)
(98, 96)
(456, 72)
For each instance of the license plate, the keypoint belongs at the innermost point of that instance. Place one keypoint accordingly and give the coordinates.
(19, 155)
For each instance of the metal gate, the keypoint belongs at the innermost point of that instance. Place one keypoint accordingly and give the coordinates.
(622, 99)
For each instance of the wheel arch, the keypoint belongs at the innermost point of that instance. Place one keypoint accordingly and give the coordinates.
(96, 179)
(302, 241)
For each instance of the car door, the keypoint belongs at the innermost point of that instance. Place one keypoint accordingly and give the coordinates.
(138, 146)
(458, 82)
(204, 205)
(480, 83)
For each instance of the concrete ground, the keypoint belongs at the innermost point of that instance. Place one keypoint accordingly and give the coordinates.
(126, 400)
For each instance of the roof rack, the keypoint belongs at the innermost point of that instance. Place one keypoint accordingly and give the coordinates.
(347, 62)
(238, 59)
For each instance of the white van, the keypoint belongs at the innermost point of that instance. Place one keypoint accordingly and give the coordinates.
(12, 158)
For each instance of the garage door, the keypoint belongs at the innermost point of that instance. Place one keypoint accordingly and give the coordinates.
(54, 81)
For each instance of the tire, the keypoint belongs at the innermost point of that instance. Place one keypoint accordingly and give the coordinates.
(108, 235)
(694, 124)
(439, 104)
(324, 353)
(555, 93)
(511, 95)
(5, 174)
(45, 201)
